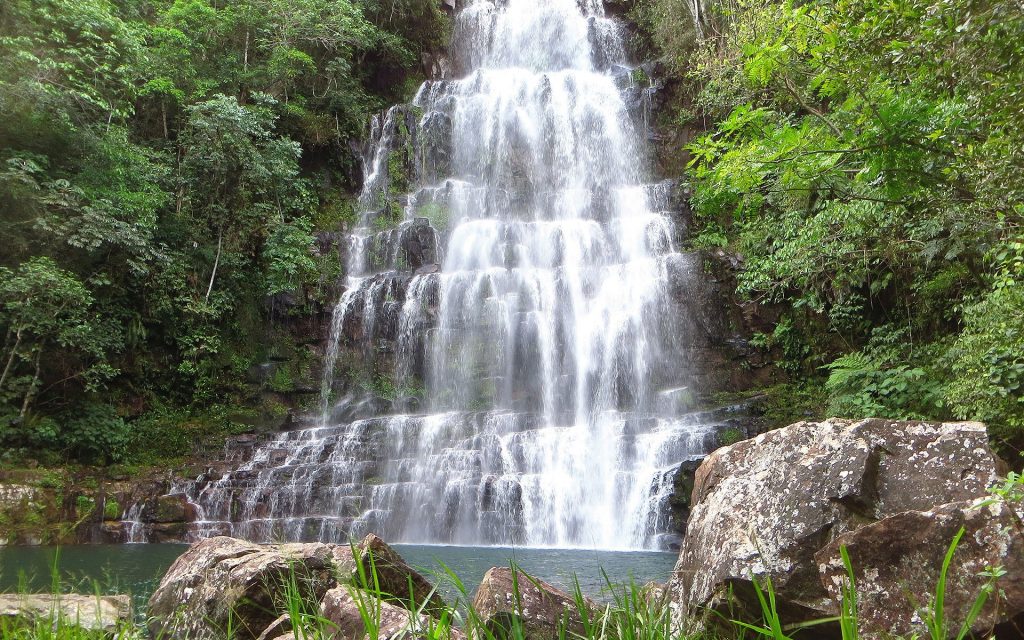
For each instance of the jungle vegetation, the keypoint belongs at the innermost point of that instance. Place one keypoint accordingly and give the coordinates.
(865, 158)
(163, 167)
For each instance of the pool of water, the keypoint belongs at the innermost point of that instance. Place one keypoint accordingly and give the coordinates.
(137, 569)
(560, 567)
(134, 569)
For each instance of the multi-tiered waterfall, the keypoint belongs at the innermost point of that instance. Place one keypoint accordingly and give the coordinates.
(509, 362)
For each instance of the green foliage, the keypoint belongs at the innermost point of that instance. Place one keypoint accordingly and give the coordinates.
(710, 236)
(934, 615)
(84, 505)
(848, 602)
(866, 162)
(164, 165)
(111, 509)
(788, 403)
(281, 381)
(95, 433)
(878, 381)
(987, 359)
(288, 258)
(730, 436)
(46, 311)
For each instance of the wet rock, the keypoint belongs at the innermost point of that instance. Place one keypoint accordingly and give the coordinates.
(172, 508)
(436, 148)
(419, 243)
(340, 608)
(541, 609)
(222, 575)
(679, 503)
(764, 507)
(896, 563)
(103, 613)
(167, 532)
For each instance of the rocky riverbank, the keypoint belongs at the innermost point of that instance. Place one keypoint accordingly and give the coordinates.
(913, 504)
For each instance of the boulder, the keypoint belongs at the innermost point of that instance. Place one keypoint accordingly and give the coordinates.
(343, 620)
(896, 565)
(397, 581)
(93, 613)
(764, 507)
(541, 608)
(224, 575)
(221, 575)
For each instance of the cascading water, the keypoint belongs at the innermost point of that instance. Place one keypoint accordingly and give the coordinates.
(521, 326)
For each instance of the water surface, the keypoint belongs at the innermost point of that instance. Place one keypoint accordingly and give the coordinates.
(137, 569)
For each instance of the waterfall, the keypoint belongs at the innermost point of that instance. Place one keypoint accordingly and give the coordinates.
(134, 527)
(515, 327)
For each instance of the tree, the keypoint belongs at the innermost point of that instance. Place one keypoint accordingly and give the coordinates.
(45, 310)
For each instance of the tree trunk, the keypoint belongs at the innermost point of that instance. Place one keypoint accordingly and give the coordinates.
(32, 387)
(10, 360)
(216, 263)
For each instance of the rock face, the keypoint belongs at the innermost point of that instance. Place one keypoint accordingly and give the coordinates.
(104, 613)
(764, 507)
(897, 561)
(419, 241)
(541, 608)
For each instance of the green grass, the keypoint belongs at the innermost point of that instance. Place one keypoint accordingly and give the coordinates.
(630, 613)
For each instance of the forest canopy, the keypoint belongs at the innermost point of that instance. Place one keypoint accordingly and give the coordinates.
(163, 166)
(866, 160)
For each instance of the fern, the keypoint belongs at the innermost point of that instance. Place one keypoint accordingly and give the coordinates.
(847, 369)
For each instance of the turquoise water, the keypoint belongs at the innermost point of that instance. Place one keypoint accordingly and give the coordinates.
(137, 569)
(556, 566)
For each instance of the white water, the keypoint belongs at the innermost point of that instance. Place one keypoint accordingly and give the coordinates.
(134, 528)
(547, 343)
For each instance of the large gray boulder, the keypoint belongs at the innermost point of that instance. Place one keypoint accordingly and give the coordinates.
(92, 613)
(763, 508)
(541, 609)
(896, 565)
(224, 577)
(221, 578)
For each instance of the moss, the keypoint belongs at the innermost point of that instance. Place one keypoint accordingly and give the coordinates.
(437, 214)
(640, 77)
(281, 381)
(398, 172)
(729, 436)
(34, 516)
(391, 215)
(52, 480)
(335, 212)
